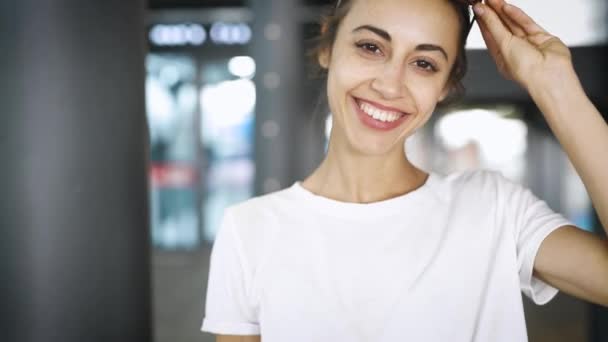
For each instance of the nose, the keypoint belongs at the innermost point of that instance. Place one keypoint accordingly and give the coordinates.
(390, 82)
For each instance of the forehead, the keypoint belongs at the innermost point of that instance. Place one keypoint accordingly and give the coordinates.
(408, 21)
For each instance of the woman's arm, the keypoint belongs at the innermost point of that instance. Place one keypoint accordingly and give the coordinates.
(570, 259)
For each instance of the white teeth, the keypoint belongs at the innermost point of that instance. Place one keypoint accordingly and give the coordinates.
(378, 114)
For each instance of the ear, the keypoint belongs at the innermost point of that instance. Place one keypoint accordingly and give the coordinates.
(323, 58)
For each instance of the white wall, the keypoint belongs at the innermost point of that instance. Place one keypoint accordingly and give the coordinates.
(576, 22)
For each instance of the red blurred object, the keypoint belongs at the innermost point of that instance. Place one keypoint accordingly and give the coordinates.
(169, 175)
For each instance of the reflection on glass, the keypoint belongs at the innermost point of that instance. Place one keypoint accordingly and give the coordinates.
(201, 135)
(171, 99)
(227, 109)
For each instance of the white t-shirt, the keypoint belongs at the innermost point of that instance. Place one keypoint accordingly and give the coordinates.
(445, 262)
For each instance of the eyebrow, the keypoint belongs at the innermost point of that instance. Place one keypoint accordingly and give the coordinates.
(386, 36)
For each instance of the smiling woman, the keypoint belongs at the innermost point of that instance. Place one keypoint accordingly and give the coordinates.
(298, 264)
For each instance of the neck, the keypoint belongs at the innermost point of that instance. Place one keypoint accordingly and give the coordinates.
(360, 178)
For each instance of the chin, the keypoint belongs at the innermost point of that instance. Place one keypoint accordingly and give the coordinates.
(368, 145)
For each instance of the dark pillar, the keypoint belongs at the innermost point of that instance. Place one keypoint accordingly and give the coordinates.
(276, 50)
(73, 145)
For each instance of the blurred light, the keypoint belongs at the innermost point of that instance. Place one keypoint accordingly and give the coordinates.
(196, 35)
(272, 32)
(272, 80)
(176, 35)
(270, 129)
(230, 34)
(242, 66)
(219, 105)
(500, 140)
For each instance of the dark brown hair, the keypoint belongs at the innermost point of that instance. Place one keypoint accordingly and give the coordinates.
(331, 22)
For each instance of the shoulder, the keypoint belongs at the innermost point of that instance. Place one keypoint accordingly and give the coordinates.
(480, 186)
(479, 180)
(475, 177)
(255, 222)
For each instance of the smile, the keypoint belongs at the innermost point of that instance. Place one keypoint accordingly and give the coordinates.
(379, 114)
(379, 117)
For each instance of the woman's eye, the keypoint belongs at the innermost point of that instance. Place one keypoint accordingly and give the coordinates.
(426, 65)
(369, 48)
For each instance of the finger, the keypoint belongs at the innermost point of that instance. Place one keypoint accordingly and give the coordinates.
(522, 19)
(492, 23)
(493, 49)
(515, 29)
(499, 6)
(490, 42)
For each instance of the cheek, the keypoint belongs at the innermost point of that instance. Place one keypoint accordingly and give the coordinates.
(426, 94)
(343, 69)
(341, 79)
(335, 92)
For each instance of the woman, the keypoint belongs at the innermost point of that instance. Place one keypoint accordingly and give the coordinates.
(449, 255)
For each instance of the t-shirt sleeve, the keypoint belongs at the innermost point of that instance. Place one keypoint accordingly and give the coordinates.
(228, 309)
(533, 221)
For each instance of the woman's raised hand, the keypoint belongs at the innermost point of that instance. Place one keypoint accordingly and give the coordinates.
(523, 51)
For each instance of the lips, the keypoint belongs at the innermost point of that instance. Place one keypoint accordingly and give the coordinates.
(377, 116)
(379, 106)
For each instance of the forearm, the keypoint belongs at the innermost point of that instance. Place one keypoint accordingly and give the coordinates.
(581, 131)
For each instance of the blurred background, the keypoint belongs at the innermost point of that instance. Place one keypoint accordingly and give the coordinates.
(130, 126)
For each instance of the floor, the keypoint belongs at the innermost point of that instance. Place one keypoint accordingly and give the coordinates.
(180, 280)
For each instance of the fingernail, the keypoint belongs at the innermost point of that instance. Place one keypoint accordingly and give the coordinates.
(478, 9)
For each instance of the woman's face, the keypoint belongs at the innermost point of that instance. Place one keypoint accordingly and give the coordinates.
(387, 70)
